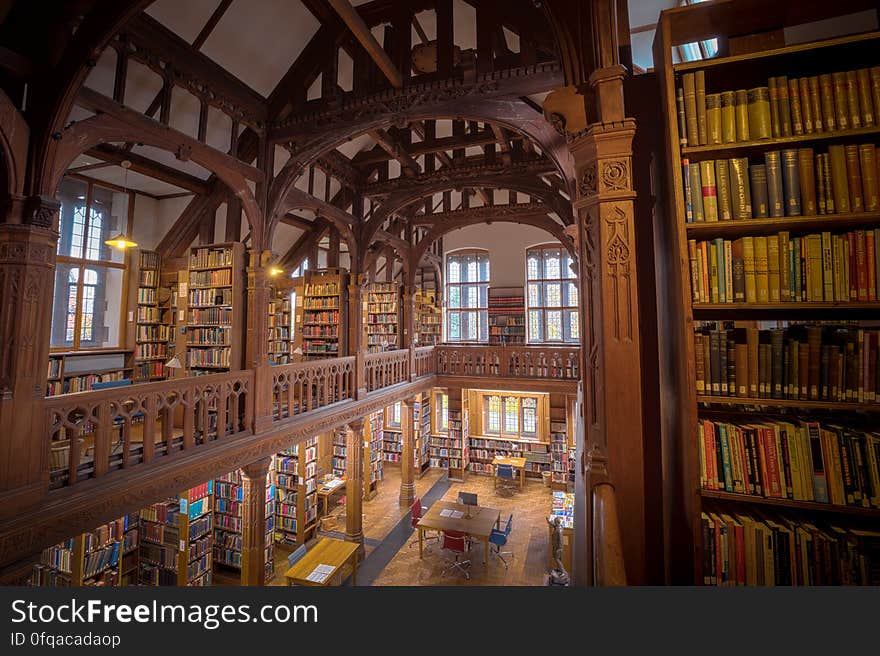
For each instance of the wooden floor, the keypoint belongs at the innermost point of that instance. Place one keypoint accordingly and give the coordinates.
(528, 539)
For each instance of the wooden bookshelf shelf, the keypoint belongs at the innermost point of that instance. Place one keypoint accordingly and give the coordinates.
(789, 403)
(741, 228)
(753, 309)
(700, 153)
(810, 506)
(810, 47)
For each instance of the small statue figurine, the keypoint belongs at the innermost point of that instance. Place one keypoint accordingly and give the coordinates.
(558, 576)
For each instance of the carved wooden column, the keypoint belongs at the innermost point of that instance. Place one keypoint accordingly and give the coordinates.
(409, 327)
(253, 522)
(257, 339)
(611, 361)
(28, 242)
(407, 455)
(354, 485)
(356, 331)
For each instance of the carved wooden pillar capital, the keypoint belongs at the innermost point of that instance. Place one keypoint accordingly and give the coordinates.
(253, 522)
(28, 245)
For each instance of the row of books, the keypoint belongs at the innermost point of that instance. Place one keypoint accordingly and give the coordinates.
(796, 363)
(790, 182)
(210, 296)
(321, 303)
(768, 549)
(84, 383)
(148, 260)
(781, 268)
(148, 278)
(785, 107)
(208, 357)
(213, 316)
(149, 333)
(204, 258)
(218, 335)
(798, 460)
(148, 315)
(146, 296)
(155, 369)
(375, 306)
(151, 351)
(321, 331)
(322, 289)
(211, 278)
(322, 317)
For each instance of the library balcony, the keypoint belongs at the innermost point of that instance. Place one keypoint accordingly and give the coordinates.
(546, 368)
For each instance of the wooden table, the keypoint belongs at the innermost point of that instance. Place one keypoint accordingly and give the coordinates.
(516, 463)
(329, 551)
(478, 525)
(324, 495)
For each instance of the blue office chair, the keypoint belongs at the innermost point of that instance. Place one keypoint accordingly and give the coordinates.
(499, 538)
(296, 556)
(506, 475)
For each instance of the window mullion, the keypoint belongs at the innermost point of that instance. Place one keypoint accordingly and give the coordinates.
(77, 325)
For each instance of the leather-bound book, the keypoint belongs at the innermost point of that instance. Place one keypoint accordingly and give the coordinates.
(841, 104)
(839, 179)
(713, 118)
(775, 195)
(728, 116)
(749, 269)
(773, 95)
(866, 103)
(794, 99)
(854, 178)
(690, 106)
(759, 113)
(854, 113)
(682, 118)
(807, 177)
(791, 182)
(758, 187)
(740, 189)
(722, 183)
(700, 96)
(826, 87)
(868, 167)
(784, 106)
(816, 102)
(741, 107)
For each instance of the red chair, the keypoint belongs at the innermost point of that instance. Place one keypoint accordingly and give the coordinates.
(456, 543)
(416, 511)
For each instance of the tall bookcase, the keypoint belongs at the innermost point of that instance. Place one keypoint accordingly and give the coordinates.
(295, 474)
(750, 298)
(151, 336)
(451, 450)
(339, 452)
(227, 523)
(429, 319)
(392, 442)
(323, 332)
(176, 538)
(373, 453)
(392, 434)
(507, 315)
(280, 327)
(382, 327)
(216, 312)
(104, 557)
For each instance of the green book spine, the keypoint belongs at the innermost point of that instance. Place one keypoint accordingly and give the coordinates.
(759, 113)
(758, 184)
(713, 118)
(682, 118)
(791, 182)
(696, 192)
(807, 175)
(722, 182)
(690, 106)
(830, 206)
(816, 102)
(710, 190)
(700, 84)
(740, 189)
(741, 107)
(718, 245)
(775, 196)
(728, 117)
(806, 105)
(688, 195)
(784, 270)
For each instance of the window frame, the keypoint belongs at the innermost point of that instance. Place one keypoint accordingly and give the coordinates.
(503, 399)
(440, 401)
(82, 264)
(482, 311)
(565, 310)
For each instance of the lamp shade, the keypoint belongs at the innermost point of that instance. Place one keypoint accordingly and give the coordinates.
(121, 242)
(174, 363)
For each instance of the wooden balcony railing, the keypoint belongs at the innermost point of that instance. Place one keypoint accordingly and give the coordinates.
(541, 362)
(92, 433)
(386, 369)
(424, 361)
(306, 386)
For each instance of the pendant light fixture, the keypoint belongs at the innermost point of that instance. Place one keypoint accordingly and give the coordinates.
(121, 240)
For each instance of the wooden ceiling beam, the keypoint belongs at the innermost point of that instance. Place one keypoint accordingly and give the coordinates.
(362, 33)
(304, 245)
(397, 151)
(297, 221)
(140, 164)
(503, 143)
(378, 154)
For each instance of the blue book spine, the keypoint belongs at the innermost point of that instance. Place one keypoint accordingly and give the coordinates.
(725, 458)
(688, 192)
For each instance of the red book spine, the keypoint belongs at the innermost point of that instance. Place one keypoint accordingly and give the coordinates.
(772, 463)
(744, 457)
(871, 265)
(709, 450)
(853, 278)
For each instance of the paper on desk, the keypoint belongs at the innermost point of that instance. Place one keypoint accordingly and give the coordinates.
(446, 512)
(320, 573)
(456, 514)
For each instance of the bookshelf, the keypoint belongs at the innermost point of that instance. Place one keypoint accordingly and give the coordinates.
(104, 557)
(151, 331)
(392, 433)
(78, 371)
(422, 433)
(373, 453)
(176, 539)
(382, 327)
(295, 483)
(483, 451)
(562, 457)
(507, 315)
(280, 327)
(429, 319)
(339, 452)
(451, 451)
(216, 310)
(227, 523)
(323, 330)
(770, 243)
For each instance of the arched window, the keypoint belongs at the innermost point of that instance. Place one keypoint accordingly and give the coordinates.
(551, 295)
(467, 296)
(89, 274)
(299, 271)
